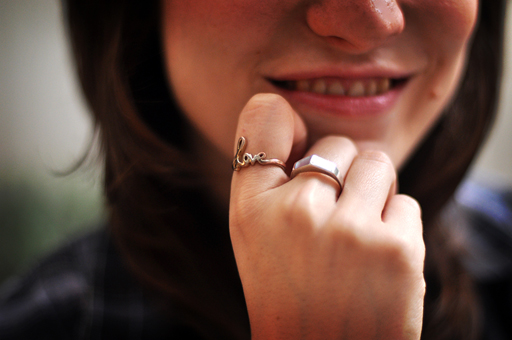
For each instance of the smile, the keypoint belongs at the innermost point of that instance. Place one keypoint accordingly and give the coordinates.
(351, 97)
(341, 87)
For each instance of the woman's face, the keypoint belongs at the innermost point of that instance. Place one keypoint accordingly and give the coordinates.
(377, 71)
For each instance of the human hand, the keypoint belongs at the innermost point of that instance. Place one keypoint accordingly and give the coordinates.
(314, 263)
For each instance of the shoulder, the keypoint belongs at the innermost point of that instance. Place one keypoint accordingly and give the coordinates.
(51, 297)
(488, 214)
(487, 211)
(487, 203)
(81, 291)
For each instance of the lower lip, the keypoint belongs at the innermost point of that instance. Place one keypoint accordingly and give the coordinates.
(356, 107)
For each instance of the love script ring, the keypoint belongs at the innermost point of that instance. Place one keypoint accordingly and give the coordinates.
(316, 163)
(243, 160)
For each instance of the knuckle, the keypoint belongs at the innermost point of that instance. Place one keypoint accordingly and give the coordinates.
(241, 212)
(376, 156)
(340, 141)
(300, 206)
(379, 161)
(409, 203)
(244, 208)
(403, 253)
(247, 192)
(397, 247)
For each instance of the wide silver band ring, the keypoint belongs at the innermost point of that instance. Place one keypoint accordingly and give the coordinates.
(243, 159)
(316, 163)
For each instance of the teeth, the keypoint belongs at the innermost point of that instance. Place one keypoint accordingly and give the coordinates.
(356, 90)
(371, 88)
(336, 88)
(303, 85)
(319, 86)
(383, 85)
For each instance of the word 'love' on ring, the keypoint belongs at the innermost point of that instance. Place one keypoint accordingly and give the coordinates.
(243, 160)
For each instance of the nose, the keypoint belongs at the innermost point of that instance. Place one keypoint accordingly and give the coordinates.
(356, 25)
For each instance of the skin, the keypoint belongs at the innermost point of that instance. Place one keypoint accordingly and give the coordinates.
(317, 262)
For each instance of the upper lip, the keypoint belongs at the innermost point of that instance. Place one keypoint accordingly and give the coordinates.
(347, 72)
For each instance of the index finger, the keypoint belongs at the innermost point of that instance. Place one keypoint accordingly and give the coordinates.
(269, 125)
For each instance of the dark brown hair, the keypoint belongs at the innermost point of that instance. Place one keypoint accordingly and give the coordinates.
(151, 184)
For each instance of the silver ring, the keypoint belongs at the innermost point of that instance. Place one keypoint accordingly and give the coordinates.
(316, 163)
(243, 160)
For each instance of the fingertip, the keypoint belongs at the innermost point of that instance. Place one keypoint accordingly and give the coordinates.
(270, 126)
(268, 120)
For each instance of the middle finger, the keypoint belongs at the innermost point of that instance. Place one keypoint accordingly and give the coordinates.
(339, 150)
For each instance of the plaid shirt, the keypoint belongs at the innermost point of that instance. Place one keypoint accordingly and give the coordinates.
(85, 292)
(82, 292)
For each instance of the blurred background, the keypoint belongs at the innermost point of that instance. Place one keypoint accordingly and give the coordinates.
(45, 129)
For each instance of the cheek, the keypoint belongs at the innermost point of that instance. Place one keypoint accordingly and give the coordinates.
(445, 23)
(443, 29)
(220, 20)
(198, 45)
(458, 17)
(211, 48)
